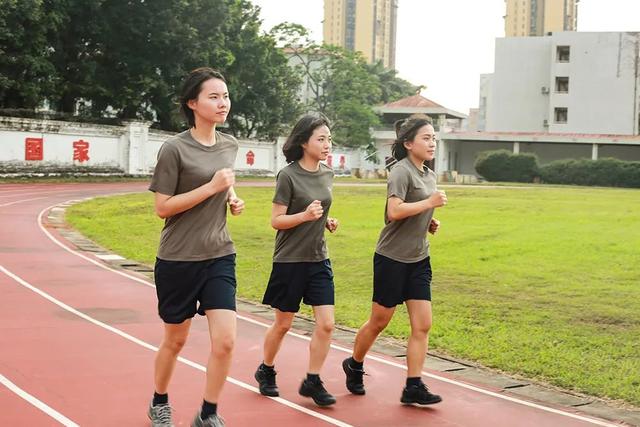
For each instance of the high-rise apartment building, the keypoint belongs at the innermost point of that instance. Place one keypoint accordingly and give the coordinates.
(367, 26)
(539, 17)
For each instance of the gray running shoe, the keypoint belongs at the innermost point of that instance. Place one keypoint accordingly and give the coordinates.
(160, 415)
(211, 421)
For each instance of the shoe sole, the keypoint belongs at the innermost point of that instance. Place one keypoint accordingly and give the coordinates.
(413, 403)
(356, 392)
(321, 404)
(264, 392)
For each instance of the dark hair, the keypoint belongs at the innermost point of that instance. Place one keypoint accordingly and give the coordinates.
(191, 89)
(406, 130)
(301, 133)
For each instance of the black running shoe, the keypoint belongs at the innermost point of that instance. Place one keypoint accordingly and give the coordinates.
(419, 395)
(354, 377)
(317, 392)
(267, 381)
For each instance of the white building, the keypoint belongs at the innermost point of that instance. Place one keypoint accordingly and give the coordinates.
(567, 82)
(567, 95)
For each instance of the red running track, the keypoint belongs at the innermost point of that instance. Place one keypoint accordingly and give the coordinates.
(77, 343)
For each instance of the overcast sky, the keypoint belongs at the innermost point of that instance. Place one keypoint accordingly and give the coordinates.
(447, 44)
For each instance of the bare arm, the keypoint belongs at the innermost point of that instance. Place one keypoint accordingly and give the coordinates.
(281, 221)
(167, 206)
(398, 209)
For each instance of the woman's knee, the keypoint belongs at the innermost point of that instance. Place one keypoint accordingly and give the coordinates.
(379, 323)
(282, 327)
(222, 347)
(174, 343)
(325, 327)
(421, 330)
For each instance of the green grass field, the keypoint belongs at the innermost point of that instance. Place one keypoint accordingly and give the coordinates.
(541, 282)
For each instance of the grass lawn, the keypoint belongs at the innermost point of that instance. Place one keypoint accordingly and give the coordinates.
(542, 282)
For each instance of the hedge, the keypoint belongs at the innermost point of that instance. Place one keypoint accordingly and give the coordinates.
(503, 165)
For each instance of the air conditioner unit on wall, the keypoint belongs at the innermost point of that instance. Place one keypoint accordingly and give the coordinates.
(544, 90)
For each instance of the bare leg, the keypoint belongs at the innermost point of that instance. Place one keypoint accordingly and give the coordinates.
(321, 338)
(175, 336)
(367, 334)
(222, 330)
(420, 318)
(275, 335)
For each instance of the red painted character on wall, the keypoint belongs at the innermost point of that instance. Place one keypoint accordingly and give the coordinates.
(33, 148)
(330, 160)
(80, 151)
(250, 157)
(342, 161)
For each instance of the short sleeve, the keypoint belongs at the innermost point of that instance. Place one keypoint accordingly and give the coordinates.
(398, 183)
(284, 189)
(167, 170)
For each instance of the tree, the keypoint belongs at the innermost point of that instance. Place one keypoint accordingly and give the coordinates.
(25, 65)
(148, 47)
(127, 59)
(74, 47)
(343, 86)
(263, 87)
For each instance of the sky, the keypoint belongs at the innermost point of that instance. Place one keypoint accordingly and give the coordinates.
(446, 44)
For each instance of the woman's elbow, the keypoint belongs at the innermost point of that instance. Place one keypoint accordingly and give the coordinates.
(275, 225)
(392, 215)
(162, 212)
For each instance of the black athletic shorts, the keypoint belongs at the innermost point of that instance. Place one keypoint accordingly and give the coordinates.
(185, 288)
(292, 282)
(394, 282)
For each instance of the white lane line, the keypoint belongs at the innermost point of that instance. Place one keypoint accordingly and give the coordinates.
(21, 201)
(346, 350)
(151, 347)
(109, 257)
(37, 403)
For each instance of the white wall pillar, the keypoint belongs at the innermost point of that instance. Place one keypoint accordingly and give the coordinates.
(136, 138)
(279, 159)
(594, 152)
(442, 156)
(516, 148)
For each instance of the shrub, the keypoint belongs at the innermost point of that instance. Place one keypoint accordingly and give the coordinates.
(606, 172)
(503, 165)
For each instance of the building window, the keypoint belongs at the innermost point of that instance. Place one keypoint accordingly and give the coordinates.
(563, 53)
(561, 114)
(562, 84)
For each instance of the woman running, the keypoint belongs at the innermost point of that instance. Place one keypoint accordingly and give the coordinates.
(401, 264)
(301, 267)
(195, 266)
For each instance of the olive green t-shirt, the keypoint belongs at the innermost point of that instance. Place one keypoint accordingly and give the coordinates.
(184, 164)
(296, 188)
(406, 240)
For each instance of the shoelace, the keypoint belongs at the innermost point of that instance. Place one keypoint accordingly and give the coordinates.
(359, 372)
(423, 387)
(320, 386)
(270, 376)
(163, 412)
(214, 420)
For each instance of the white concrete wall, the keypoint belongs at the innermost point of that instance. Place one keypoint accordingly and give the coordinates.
(604, 90)
(483, 101)
(602, 83)
(58, 138)
(133, 148)
(263, 156)
(516, 101)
